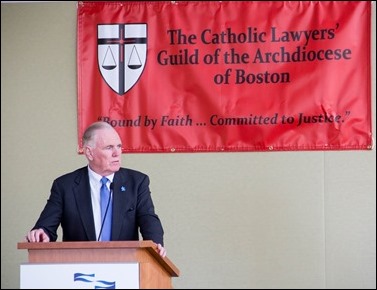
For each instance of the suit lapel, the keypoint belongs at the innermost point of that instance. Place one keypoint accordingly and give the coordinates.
(120, 205)
(84, 204)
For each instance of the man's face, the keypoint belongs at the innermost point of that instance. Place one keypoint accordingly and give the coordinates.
(105, 157)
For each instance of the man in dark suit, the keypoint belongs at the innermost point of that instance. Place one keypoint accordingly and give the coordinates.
(74, 202)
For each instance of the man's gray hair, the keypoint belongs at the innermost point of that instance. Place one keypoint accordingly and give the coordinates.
(90, 132)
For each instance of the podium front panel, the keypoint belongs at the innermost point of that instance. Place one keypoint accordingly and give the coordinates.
(80, 276)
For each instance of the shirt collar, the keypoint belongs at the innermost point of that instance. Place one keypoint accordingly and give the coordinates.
(98, 177)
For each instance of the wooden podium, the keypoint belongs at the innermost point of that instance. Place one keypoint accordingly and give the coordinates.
(154, 271)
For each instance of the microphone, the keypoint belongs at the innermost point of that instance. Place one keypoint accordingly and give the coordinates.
(107, 208)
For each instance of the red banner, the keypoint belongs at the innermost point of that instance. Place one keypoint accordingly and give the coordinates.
(200, 76)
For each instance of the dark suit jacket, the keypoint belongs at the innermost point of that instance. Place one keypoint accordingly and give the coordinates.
(70, 206)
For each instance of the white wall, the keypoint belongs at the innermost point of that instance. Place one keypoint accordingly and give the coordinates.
(232, 220)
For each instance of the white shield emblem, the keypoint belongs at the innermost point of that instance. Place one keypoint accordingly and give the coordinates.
(122, 53)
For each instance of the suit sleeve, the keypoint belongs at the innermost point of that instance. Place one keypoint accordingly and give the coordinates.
(149, 222)
(50, 217)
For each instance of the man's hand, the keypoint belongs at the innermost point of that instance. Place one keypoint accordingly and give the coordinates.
(37, 235)
(161, 250)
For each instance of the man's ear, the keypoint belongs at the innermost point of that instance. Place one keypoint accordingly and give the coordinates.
(88, 153)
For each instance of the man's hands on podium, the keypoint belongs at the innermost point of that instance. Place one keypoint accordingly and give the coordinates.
(39, 235)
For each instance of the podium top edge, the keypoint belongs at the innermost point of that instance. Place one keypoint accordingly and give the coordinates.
(86, 245)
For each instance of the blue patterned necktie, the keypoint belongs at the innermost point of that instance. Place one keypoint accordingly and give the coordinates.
(106, 205)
